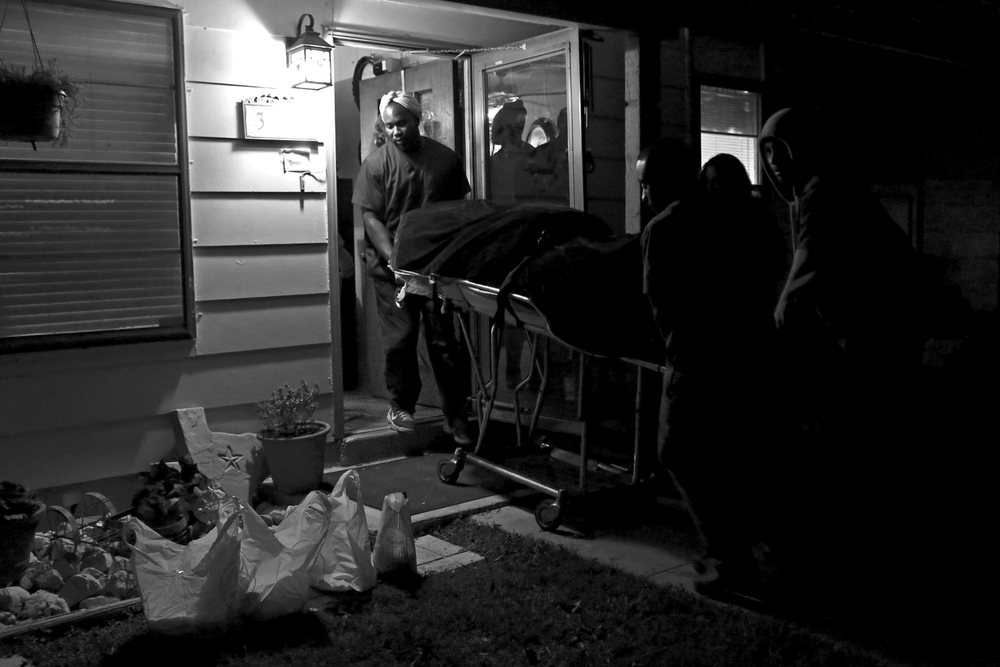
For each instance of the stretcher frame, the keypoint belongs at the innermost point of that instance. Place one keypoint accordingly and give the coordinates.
(517, 310)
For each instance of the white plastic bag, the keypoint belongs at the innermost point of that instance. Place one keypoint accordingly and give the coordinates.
(276, 572)
(395, 550)
(244, 568)
(345, 561)
(192, 587)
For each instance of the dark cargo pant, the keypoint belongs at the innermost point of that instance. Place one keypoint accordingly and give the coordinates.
(400, 333)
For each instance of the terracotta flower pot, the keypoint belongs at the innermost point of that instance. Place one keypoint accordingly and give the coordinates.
(16, 540)
(296, 463)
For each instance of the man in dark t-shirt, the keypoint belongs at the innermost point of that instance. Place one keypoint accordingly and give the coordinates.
(409, 172)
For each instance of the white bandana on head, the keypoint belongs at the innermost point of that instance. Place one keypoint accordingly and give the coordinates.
(406, 100)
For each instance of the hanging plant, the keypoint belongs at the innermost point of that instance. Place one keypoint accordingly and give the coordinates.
(37, 104)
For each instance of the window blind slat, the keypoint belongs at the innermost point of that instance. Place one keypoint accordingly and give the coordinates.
(93, 45)
(67, 290)
(63, 311)
(89, 325)
(114, 123)
(56, 244)
(85, 252)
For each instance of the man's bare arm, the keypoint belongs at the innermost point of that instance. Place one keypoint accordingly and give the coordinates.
(377, 232)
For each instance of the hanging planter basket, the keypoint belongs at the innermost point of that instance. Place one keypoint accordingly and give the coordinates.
(36, 104)
(30, 111)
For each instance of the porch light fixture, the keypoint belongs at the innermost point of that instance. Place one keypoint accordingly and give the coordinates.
(309, 59)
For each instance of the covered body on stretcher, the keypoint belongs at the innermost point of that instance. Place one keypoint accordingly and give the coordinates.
(556, 272)
(560, 264)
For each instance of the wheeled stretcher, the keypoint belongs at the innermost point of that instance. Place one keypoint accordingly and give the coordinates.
(468, 297)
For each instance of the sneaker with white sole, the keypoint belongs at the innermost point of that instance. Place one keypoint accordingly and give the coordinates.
(460, 430)
(400, 420)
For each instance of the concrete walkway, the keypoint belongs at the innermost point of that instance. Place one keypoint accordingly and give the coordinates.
(645, 556)
(649, 549)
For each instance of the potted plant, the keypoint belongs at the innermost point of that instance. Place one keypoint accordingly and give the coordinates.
(20, 512)
(294, 443)
(37, 104)
(176, 501)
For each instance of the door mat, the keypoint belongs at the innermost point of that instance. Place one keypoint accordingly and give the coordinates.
(418, 477)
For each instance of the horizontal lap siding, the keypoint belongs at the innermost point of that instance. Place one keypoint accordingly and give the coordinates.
(261, 273)
(248, 273)
(260, 235)
(234, 58)
(87, 452)
(225, 117)
(127, 424)
(260, 324)
(139, 390)
(230, 219)
(219, 165)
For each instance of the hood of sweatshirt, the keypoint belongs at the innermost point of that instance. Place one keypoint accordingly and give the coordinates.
(789, 128)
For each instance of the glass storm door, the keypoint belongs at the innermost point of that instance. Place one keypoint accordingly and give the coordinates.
(527, 141)
(527, 122)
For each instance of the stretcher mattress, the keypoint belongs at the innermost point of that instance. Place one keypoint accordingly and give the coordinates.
(585, 280)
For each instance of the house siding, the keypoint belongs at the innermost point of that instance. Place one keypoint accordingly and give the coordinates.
(604, 135)
(262, 257)
(261, 282)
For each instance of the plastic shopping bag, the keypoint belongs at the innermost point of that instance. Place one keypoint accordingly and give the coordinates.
(276, 570)
(345, 560)
(192, 587)
(395, 551)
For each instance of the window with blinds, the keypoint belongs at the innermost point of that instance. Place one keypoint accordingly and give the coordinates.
(729, 124)
(95, 234)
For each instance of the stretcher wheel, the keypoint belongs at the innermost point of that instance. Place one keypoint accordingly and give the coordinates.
(449, 470)
(548, 514)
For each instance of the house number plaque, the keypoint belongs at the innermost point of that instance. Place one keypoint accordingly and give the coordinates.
(273, 117)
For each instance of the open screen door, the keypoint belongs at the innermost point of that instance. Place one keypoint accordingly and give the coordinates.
(434, 85)
(528, 145)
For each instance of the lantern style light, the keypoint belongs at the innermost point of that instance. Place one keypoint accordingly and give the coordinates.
(309, 58)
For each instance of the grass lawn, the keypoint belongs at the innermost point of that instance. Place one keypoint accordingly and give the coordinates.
(526, 603)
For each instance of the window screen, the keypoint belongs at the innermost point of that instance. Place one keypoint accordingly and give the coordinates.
(729, 125)
(93, 233)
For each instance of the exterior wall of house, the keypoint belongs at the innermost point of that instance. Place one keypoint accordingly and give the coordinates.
(261, 265)
(604, 134)
(261, 280)
(676, 96)
(262, 257)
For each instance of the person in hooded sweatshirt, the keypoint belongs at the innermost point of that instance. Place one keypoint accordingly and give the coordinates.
(847, 309)
(846, 330)
(710, 280)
